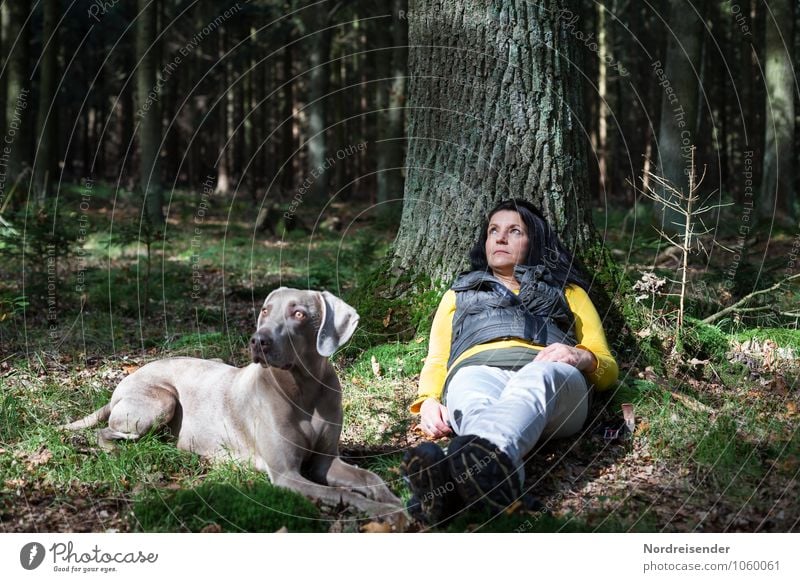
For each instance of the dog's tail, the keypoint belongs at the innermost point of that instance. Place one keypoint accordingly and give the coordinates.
(97, 416)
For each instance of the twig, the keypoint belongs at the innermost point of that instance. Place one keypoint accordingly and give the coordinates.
(692, 403)
(737, 306)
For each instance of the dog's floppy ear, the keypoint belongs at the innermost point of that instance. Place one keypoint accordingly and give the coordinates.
(338, 322)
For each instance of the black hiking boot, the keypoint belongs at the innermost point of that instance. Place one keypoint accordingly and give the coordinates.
(485, 477)
(425, 469)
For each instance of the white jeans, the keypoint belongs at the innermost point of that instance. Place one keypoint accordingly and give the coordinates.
(513, 410)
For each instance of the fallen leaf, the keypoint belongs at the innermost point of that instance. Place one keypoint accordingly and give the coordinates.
(40, 458)
(388, 318)
(376, 527)
(376, 366)
(513, 507)
(130, 368)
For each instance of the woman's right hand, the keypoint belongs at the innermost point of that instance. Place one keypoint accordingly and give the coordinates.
(434, 418)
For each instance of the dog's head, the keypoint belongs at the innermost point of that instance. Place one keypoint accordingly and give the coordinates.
(294, 325)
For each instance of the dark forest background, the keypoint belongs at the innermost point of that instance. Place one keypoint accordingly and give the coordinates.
(252, 96)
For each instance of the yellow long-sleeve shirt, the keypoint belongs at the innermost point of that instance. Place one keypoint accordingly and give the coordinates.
(588, 332)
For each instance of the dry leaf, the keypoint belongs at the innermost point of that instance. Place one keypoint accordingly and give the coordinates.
(791, 408)
(40, 458)
(388, 318)
(283, 529)
(513, 507)
(376, 367)
(376, 527)
(130, 368)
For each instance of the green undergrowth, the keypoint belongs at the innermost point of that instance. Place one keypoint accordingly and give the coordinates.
(704, 341)
(784, 337)
(393, 308)
(613, 295)
(726, 442)
(51, 458)
(210, 345)
(395, 360)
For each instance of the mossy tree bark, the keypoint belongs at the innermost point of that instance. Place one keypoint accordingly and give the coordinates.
(494, 112)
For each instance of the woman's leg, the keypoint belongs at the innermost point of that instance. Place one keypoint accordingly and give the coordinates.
(542, 399)
(514, 409)
(472, 391)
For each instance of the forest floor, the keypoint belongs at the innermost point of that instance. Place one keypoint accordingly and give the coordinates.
(715, 445)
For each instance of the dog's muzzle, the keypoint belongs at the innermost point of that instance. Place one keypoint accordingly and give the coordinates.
(262, 351)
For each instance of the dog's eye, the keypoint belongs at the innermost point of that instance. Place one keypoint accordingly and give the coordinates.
(297, 314)
(266, 310)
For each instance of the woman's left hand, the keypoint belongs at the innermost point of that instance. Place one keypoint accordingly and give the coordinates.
(584, 360)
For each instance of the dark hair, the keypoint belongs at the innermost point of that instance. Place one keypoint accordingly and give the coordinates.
(544, 246)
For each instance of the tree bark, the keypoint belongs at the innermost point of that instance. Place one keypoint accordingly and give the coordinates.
(148, 111)
(494, 99)
(777, 186)
(679, 78)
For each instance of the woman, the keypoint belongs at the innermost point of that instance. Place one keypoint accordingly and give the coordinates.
(514, 347)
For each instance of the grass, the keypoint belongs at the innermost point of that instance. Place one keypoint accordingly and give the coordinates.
(253, 507)
(730, 441)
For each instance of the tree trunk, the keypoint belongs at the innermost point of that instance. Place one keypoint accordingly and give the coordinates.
(679, 80)
(288, 140)
(317, 161)
(223, 126)
(390, 149)
(127, 107)
(14, 157)
(148, 111)
(777, 186)
(603, 153)
(4, 44)
(498, 121)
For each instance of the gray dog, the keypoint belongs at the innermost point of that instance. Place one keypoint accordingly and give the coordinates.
(282, 413)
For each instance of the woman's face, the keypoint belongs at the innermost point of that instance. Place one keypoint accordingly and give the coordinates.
(506, 241)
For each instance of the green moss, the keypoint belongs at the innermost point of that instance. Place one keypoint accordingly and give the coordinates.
(393, 308)
(258, 507)
(613, 295)
(785, 338)
(703, 341)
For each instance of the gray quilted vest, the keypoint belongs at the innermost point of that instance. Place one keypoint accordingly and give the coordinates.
(486, 310)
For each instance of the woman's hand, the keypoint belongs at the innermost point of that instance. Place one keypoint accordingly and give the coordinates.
(584, 360)
(434, 418)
